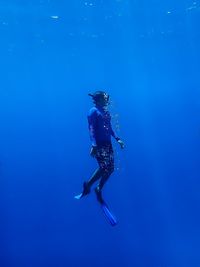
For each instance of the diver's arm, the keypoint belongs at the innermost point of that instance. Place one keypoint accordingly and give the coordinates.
(92, 117)
(113, 133)
(92, 137)
(117, 138)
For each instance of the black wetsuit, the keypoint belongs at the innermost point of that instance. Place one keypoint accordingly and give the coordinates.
(99, 122)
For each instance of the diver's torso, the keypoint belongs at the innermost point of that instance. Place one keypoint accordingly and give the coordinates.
(103, 126)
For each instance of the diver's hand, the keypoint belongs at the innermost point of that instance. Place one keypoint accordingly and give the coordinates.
(121, 143)
(93, 151)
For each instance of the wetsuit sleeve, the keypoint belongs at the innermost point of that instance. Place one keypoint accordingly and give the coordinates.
(92, 121)
(113, 133)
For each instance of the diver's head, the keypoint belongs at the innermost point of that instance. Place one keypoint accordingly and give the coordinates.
(100, 98)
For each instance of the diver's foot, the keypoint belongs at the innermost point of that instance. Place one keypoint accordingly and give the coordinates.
(99, 195)
(86, 189)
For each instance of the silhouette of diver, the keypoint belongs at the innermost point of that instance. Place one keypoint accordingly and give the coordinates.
(100, 129)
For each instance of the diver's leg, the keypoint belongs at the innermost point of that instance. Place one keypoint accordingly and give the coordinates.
(107, 170)
(108, 166)
(99, 187)
(86, 185)
(104, 179)
(95, 176)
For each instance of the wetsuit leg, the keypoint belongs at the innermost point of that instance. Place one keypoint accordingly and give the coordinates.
(96, 176)
(105, 177)
(106, 162)
(100, 185)
(105, 159)
(86, 185)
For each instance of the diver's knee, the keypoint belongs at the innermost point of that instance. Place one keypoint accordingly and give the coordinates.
(102, 170)
(107, 170)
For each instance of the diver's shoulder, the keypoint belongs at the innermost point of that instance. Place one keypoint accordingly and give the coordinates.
(93, 110)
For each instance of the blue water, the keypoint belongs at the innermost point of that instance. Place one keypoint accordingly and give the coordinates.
(146, 55)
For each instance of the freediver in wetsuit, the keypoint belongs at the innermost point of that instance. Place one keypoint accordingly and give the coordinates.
(100, 129)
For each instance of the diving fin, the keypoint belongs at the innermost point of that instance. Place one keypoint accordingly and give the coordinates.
(108, 214)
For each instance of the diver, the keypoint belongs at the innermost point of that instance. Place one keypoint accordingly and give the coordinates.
(100, 130)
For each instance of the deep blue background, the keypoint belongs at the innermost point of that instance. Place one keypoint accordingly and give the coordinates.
(145, 53)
